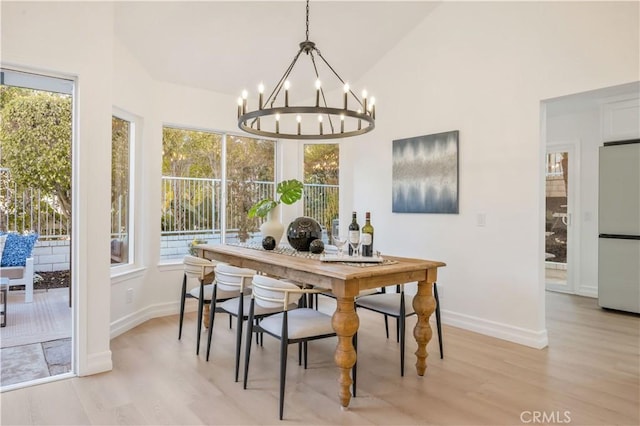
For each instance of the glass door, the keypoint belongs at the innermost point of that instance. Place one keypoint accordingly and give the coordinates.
(36, 119)
(559, 227)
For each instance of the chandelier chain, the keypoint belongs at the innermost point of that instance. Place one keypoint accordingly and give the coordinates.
(307, 20)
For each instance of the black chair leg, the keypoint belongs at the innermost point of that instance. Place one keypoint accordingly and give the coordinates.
(438, 322)
(212, 317)
(283, 365)
(304, 354)
(239, 337)
(299, 353)
(200, 309)
(183, 296)
(397, 329)
(247, 346)
(386, 325)
(401, 321)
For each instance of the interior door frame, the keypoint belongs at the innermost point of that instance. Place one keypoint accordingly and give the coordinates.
(573, 216)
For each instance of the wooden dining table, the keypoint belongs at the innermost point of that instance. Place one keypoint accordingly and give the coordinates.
(346, 281)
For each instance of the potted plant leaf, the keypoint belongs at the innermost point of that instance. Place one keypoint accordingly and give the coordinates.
(288, 192)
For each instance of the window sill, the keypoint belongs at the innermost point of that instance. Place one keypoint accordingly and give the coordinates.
(121, 276)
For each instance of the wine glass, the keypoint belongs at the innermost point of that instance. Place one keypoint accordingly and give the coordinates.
(354, 242)
(340, 241)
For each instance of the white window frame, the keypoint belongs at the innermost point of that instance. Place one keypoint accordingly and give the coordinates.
(134, 231)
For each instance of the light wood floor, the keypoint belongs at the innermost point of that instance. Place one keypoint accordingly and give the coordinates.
(589, 372)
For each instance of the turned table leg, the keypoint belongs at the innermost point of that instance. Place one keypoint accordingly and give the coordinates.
(424, 304)
(345, 323)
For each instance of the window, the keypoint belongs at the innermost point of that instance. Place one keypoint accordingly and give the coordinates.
(209, 183)
(121, 184)
(321, 184)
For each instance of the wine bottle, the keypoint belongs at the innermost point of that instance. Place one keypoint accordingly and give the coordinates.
(354, 232)
(366, 239)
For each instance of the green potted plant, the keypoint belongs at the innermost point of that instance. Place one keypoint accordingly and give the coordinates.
(288, 192)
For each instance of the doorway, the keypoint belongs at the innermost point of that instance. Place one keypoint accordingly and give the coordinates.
(561, 181)
(36, 193)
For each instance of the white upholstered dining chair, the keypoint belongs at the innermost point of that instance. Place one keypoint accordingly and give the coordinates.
(202, 270)
(299, 325)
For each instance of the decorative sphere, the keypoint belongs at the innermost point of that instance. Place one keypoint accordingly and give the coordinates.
(268, 243)
(316, 246)
(302, 231)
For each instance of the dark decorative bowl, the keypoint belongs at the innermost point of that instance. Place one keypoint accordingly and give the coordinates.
(302, 231)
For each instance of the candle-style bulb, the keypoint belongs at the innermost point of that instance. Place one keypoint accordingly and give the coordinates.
(286, 93)
(320, 121)
(341, 123)
(318, 92)
(277, 117)
(239, 101)
(364, 100)
(260, 92)
(299, 119)
(346, 94)
(245, 94)
(320, 118)
(277, 123)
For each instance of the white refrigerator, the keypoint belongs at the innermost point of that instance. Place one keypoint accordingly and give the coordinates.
(619, 226)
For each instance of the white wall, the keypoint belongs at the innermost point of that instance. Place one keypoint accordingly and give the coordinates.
(75, 39)
(483, 68)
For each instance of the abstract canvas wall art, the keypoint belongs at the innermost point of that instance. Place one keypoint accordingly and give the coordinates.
(425, 174)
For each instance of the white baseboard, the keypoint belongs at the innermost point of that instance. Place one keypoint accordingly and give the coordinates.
(134, 319)
(97, 363)
(523, 336)
(588, 291)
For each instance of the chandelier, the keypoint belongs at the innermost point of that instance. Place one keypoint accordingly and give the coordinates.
(275, 117)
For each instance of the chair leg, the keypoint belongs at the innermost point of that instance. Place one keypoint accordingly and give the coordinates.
(212, 316)
(304, 350)
(239, 334)
(247, 346)
(401, 320)
(299, 353)
(386, 325)
(397, 329)
(438, 322)
(200, 309)
(183, 296)
(230, 321)
(283, 362)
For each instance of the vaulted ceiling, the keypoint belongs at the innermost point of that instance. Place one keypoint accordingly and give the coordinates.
(227, 46)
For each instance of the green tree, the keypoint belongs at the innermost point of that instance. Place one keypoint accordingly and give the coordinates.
(35, 142)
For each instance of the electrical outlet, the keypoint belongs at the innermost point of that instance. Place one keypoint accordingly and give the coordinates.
(129, 295)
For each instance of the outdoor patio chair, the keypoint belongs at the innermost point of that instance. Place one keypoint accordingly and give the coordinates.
(17, 263)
